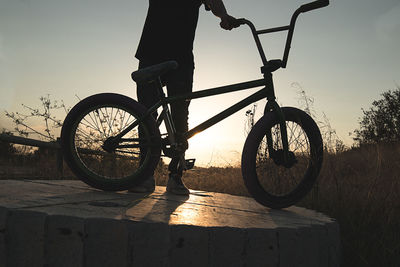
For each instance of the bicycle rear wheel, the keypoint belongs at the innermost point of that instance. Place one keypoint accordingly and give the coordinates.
(98, 119)
(267, 179)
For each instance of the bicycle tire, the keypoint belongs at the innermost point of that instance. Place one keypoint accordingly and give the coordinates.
(95, 119)
(267, 180)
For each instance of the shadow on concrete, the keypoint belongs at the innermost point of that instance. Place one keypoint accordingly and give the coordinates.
(157, 209)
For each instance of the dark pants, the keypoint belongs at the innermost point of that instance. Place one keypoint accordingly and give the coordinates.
(179, 81)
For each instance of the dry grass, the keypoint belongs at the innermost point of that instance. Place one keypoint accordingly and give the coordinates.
(28, 163)
(215, 179)
(361, 189)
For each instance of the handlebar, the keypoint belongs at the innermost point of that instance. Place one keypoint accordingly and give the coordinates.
(302, 9)
(313, 5)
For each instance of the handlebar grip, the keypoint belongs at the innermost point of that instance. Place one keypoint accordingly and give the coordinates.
(313, 5)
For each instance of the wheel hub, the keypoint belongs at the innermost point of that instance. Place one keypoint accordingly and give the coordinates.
(279, 158)
(110, 145)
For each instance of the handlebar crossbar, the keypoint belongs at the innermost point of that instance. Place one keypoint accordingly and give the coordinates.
(277, 29)
(290, 28)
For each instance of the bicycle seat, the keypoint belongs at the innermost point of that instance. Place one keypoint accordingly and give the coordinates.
(152, 72)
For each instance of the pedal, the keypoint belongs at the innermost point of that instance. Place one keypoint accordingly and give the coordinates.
(189, 163)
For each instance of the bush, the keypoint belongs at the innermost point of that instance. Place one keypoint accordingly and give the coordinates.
(381, 123)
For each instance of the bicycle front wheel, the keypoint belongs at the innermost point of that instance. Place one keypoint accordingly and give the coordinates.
(97, 120)
(269, 180)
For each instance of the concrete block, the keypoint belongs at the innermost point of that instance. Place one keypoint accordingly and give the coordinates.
(299, 247)
(3, 224)
(227, 246)
(25, 238)
(105, 243)
(262, 247)
(64, 241)
(288, 247)
(310, 249)
(189, 246)
(149, 243)
(123, 229)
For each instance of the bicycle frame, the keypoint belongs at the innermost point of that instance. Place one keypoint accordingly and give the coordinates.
(266, 92)
(262, 93)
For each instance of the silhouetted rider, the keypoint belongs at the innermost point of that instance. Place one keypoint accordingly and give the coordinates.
(168, 34)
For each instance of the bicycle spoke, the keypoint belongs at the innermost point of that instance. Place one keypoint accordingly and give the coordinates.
(96, 115)
(89, 125)
(94, 121)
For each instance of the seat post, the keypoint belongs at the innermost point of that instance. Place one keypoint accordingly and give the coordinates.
(169, 124)
(160, 92)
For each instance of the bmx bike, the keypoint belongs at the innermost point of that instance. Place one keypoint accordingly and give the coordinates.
(281, 158)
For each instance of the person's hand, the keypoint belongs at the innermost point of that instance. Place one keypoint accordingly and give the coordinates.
(228, 22)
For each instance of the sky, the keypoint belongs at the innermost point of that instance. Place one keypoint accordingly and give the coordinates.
(344, 56)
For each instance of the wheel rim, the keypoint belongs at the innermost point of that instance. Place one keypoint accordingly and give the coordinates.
(273, 177)
(90, 132)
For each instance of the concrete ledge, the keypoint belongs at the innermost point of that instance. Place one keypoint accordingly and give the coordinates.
(67, 223)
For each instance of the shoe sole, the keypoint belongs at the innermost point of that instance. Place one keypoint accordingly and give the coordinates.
(141, 190)
(181, 193)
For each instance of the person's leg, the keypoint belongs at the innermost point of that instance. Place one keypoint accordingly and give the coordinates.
(147, 92)
(147, 96)
(179, 82)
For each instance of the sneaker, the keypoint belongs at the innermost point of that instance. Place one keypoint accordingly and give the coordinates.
(148, 186)
(176, 186)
